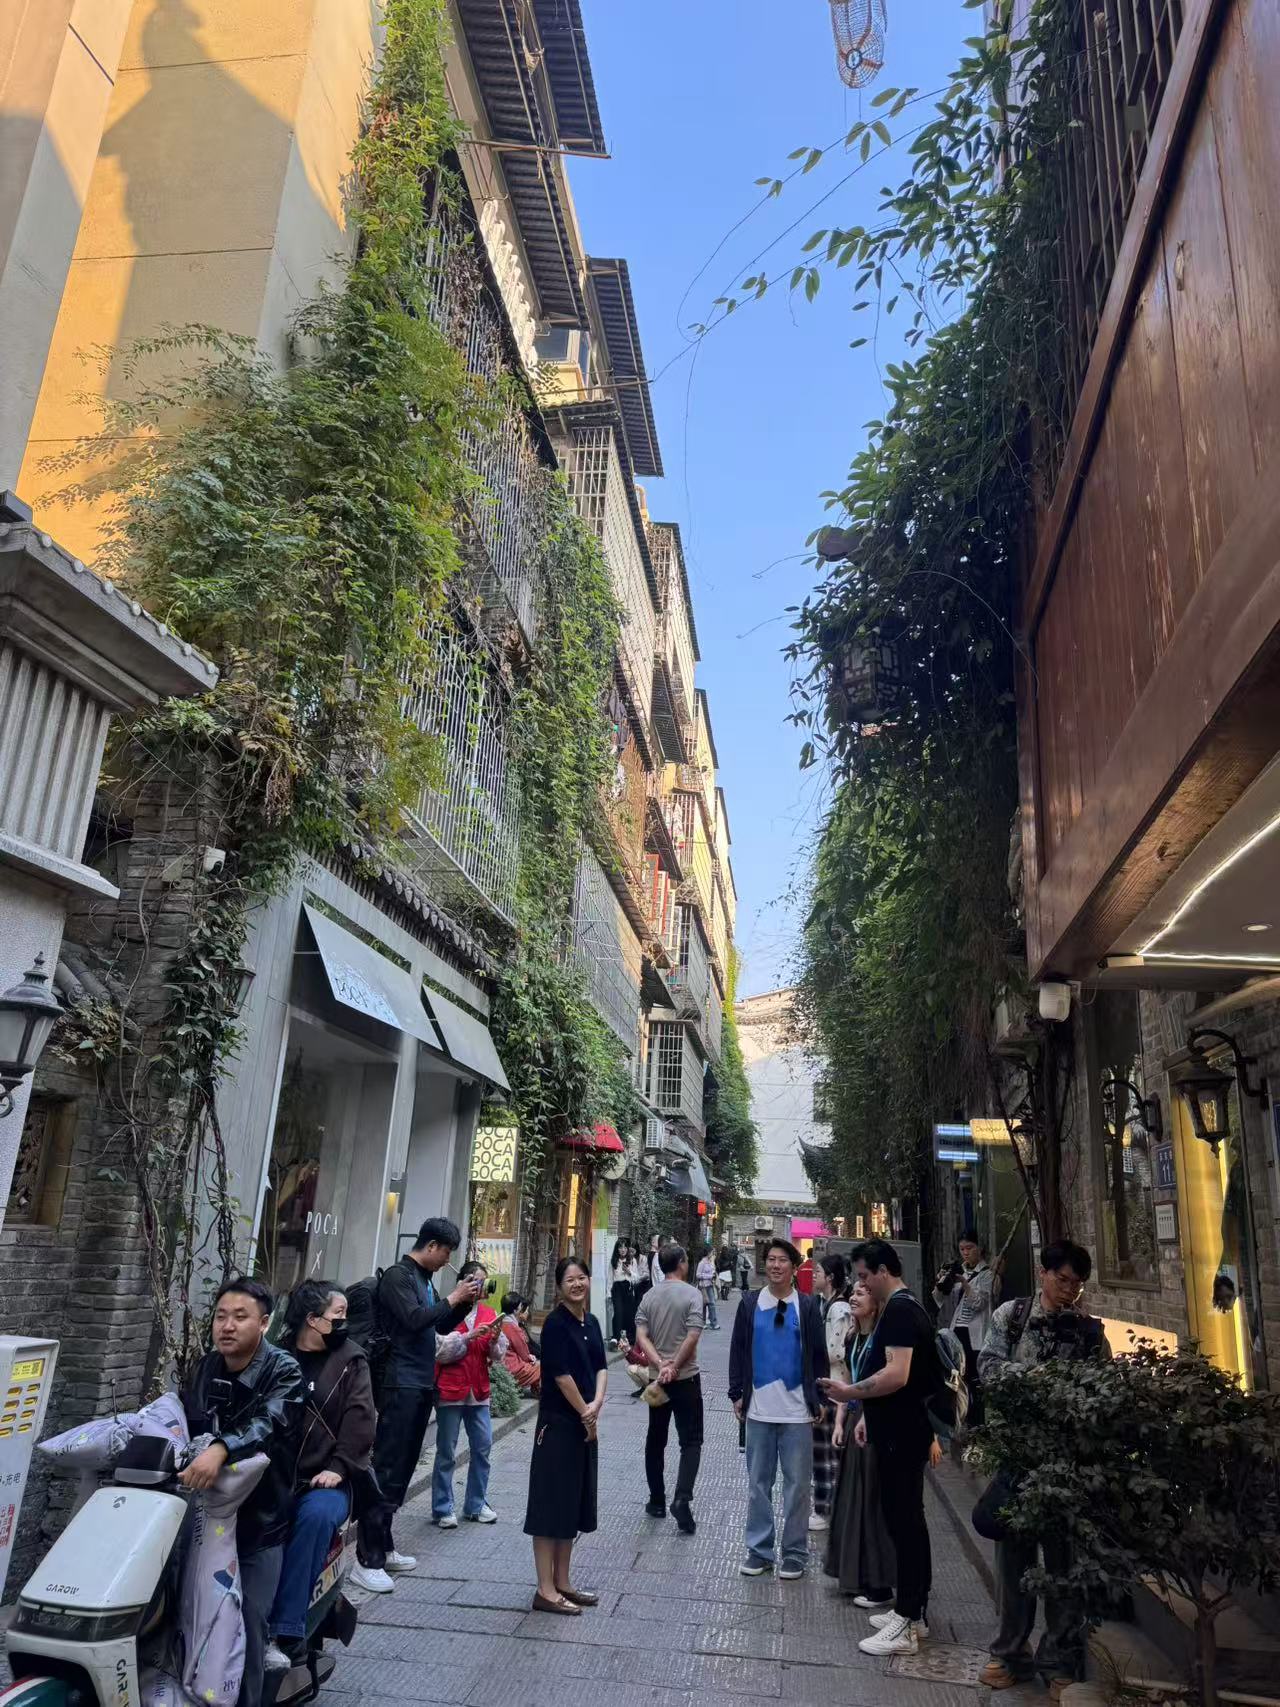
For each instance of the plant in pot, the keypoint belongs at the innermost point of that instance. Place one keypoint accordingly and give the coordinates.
(1152, 1465)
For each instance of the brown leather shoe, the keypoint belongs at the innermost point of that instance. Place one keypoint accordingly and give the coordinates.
(564, 1607)
(580, 1596)
(996, 1675)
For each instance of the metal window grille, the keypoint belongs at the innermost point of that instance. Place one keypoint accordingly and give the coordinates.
(596, 484)
(714, 1030)
(691, 979)
(1123, 55)
(472, 817)
(675, 1071)
(676, 638)
(508, 511)
(601, 938)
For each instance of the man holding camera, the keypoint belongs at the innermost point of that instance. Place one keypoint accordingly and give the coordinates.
(965, 1295)
(1023, 1333)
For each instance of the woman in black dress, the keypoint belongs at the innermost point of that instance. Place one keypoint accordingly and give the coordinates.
(562, 1471)
(859, 1551)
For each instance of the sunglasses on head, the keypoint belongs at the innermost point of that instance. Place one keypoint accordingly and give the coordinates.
(780, 1313)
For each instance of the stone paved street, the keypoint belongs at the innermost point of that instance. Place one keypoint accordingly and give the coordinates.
(676, 1625)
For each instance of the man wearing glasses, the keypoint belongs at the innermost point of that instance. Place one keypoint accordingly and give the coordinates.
(776, 1359)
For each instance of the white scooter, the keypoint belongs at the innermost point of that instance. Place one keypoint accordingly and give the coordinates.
(100, 1607)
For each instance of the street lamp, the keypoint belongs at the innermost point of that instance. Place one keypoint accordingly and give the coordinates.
(1206, 1090)
(27, 1013)
(1148, 1107)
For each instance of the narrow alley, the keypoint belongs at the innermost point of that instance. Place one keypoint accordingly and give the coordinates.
(676, 1623)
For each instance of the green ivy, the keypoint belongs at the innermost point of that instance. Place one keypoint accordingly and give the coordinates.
(566, 1068)
(731, 1132)
(912, 922)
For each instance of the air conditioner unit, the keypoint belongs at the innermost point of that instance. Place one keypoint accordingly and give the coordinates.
(764, 1223)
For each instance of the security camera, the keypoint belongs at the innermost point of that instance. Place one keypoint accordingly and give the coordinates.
(214, 860)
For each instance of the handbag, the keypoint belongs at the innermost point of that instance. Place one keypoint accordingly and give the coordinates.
(999, 1493)
(655, 1394)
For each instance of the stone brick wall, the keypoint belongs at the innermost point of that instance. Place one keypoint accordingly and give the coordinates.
(1165, 1018)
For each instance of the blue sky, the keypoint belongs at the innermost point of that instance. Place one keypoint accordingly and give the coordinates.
(699, 98)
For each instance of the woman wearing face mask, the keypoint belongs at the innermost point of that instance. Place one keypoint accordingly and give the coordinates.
(334, 1447)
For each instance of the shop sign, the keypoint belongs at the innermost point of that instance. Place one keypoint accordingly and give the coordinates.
(355, 990)
(1166, 1174)
(321, 1223)
(1167, 1223)
(493, 1156)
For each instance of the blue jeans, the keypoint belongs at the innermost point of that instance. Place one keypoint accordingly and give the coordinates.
(316, 1516)
(770, 1445)
(709, 1306)
(479, 1426)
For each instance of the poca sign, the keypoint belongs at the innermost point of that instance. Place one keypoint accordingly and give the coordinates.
(320, 1222)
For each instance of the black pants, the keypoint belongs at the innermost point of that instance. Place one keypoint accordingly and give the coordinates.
(403, 1415)
(685, 1405)
(624, 1310)
(901, 1464)
(259, 1579)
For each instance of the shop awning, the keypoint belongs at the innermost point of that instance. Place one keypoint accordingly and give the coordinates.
(601, 1138)
(466, 1040)
(801, 1229)
(362, 979)
(688, 1178)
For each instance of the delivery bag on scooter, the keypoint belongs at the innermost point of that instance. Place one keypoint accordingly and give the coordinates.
(211, 1602)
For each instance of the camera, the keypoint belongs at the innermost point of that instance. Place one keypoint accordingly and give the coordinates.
(948, 1276)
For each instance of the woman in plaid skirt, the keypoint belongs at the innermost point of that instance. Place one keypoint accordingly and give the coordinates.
(831, 1279)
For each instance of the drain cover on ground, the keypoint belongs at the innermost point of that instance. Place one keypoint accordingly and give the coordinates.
(941, 1662)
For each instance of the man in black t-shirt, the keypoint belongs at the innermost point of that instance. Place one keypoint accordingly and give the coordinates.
(898, 1379)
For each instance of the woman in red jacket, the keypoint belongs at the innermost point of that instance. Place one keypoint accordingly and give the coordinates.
(462, 1400)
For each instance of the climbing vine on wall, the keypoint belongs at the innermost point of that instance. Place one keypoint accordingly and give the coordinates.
(300, 526)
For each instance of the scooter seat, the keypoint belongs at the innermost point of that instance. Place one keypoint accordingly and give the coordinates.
(148, 1461)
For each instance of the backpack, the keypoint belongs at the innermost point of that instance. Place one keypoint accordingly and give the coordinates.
(948, 1405)
(364, 1321)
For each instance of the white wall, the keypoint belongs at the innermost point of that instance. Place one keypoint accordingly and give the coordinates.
(781, 1076)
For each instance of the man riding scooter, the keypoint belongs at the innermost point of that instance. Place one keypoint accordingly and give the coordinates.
(255, 1392)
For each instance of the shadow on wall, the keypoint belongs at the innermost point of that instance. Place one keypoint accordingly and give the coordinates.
(198, 206)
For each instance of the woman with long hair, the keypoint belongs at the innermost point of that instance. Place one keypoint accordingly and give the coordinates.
(859, 1551)
(831, 1279)
(519, 1357)
(622, 1293)
(563, 1467)
(335, 1445)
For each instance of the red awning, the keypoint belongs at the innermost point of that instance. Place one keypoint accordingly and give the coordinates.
(601, 1138)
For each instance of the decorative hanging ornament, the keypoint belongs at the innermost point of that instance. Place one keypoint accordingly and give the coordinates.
(859, 28)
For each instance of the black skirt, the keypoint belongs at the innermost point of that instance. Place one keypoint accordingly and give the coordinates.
(562, 1480)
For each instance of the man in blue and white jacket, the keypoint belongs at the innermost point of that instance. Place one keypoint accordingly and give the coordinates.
(776, 1358)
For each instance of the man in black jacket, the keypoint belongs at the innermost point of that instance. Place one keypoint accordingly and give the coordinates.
(247, 1393)
(411, 1313)
(777, 1356)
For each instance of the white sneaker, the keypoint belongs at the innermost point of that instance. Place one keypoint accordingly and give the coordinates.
(372, 1581)
(878, 1620)
(816, 1522)
(401, 1562)
(868, 1605)
(275, 1659)
(898, 1636)
(448, 1521)
(486, 1514)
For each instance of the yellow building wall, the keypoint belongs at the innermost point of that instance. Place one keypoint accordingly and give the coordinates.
(216, 198)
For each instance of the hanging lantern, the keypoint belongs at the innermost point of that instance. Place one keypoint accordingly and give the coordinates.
(859, 29)
(866, 680)
(1206, 1093)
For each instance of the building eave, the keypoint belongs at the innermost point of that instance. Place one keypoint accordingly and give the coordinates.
(610, 283)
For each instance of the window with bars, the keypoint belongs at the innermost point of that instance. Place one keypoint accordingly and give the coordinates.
(596, 483)
(605, 946)
(676, 636)
(714, 1031)
(472, 817)
(1123, 54)
(691, 978)
(675, 1071)
(508, 513)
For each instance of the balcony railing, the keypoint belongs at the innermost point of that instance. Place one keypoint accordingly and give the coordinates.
(606, 947)
(690, 979)
(596, 481)
(468, 827)
(713, 1030)
(676, 1071)
(675, 640)
(508, 513)
(1122, 55)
